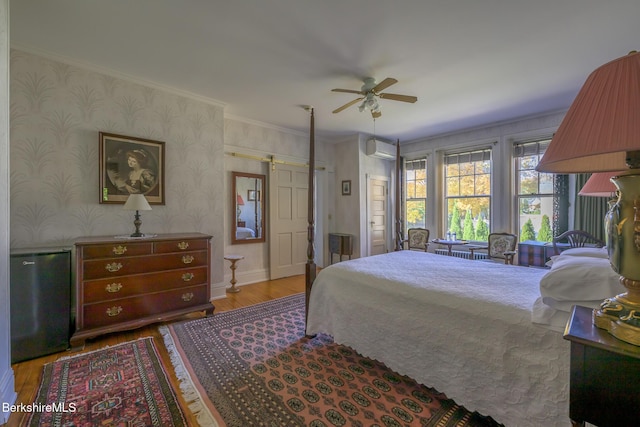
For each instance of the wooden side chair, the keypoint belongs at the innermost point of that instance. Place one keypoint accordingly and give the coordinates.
(417, 239)
(500, 246)
(575, 239)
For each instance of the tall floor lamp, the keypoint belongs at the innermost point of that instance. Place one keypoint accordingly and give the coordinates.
(601, 133)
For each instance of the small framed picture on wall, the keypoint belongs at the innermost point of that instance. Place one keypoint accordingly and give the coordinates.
(346, 187)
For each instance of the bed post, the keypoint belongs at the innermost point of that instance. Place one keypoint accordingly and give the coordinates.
(399, 233)
(310, 270)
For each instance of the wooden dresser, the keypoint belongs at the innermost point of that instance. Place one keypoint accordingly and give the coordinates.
(124, 284)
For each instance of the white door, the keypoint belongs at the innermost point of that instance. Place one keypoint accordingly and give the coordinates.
(288, 220)
(378, 202)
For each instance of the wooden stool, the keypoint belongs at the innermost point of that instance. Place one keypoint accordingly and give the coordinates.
(233, 259)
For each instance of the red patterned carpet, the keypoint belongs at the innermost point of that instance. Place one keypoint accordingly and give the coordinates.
(123, 385)
(254, 367)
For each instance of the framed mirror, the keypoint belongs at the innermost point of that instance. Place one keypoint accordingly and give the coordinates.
(247, 200)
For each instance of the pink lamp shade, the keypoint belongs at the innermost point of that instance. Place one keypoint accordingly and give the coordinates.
(600, 185)
(239, 200)
(602, 124)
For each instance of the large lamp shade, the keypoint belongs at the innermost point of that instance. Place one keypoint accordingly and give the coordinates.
(602, 124)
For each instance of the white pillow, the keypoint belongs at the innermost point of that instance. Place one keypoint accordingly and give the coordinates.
(580, 278)
(586, 251)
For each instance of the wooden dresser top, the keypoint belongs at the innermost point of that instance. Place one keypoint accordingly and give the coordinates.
(122, 239)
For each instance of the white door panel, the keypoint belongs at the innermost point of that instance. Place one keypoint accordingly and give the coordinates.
(288, 221)
(378, 199)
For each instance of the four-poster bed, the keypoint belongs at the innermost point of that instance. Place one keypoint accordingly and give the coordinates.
(480, 332)
(463, 327)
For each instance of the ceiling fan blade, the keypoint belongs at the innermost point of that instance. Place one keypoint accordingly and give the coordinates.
(376, 114)
(384, 84)
(347, 105)
(359, 92)
(396, 97)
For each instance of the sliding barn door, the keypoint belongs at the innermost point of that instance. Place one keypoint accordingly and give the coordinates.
(288, 189)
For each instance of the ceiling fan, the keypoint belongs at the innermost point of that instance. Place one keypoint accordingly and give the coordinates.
(370, 91)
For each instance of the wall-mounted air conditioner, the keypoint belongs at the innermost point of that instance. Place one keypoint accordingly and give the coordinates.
(381, 149)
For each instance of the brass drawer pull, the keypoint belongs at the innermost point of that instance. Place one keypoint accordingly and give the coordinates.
(187, 297)
(119, 250)
(187, 276)
(187, 259)
(113, 287)
(113, 267)
(183, 245)
(114, 311)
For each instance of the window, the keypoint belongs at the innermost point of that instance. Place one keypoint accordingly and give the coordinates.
(415, 180)
(468, 194)
(535, 192)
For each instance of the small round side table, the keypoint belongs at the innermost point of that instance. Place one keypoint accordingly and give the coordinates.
(233, 259)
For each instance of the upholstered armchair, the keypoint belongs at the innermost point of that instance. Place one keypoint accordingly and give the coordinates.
(500, 246)
(417, 239)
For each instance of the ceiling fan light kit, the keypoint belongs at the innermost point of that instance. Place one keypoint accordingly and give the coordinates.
(370, 92)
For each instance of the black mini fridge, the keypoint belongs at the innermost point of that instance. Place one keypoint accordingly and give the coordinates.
(40, 293)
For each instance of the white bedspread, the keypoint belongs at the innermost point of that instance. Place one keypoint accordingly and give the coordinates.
(463, 327)
(244, 233)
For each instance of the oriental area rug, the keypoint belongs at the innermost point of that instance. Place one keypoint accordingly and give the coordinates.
(254, 367)
(122, 385)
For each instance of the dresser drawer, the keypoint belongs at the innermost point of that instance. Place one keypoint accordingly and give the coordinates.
(116, 250)
(122, 310)
(113, 267)
(127, 286)
(181, 246)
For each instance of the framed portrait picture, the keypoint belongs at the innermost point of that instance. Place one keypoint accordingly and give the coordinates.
(346, 188)
(130, 165)
(253, 195)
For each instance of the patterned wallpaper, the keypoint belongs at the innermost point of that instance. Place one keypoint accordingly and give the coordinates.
(57, 111)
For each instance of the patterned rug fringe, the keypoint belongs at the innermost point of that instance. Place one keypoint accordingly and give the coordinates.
(187, 388)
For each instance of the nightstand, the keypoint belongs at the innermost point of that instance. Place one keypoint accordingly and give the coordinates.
(341, 244)
(604, 375)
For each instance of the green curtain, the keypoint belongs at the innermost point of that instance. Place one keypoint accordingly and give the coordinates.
(589, 212)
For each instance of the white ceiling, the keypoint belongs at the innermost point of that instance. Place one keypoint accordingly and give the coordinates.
(469, 62)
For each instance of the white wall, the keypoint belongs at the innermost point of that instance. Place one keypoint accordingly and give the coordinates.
(348, 213)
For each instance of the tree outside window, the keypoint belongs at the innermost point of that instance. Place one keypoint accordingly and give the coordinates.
(468, 194)
(535, 192)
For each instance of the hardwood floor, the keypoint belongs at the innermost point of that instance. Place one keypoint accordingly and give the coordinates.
(27, 374)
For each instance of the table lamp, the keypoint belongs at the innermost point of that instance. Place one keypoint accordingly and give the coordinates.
(601, 133)
(239, 202)
(600, 185)
(137, 202)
